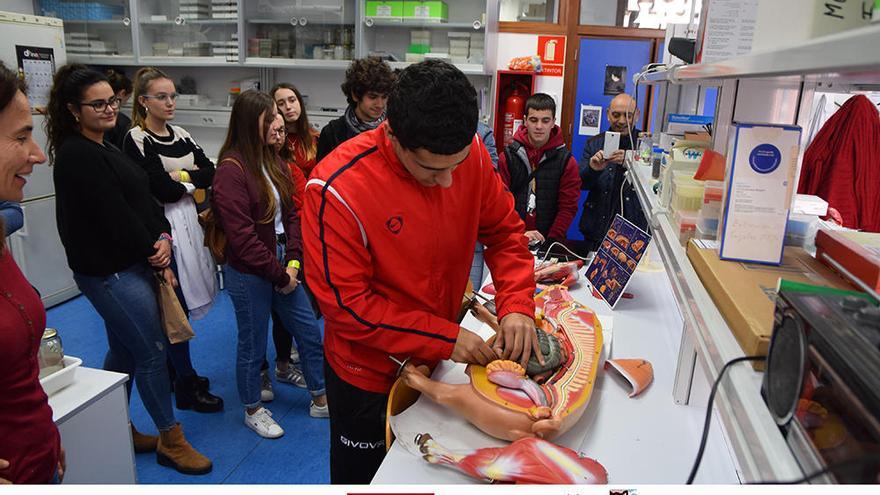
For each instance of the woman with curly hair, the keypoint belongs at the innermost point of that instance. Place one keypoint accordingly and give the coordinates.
(368, 82)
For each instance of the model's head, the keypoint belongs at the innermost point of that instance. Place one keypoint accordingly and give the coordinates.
(432, 116)
(81, 100)
(154, 96)
(540, 118)
(18, 150)
(368, 81)
(622, 113)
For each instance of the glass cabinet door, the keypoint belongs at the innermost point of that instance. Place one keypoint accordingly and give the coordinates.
(410, 31)
(529, 11)
(300, 32)
(187, 29)
(94, 31)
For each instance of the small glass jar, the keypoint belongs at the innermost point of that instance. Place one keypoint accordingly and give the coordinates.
(51, 354)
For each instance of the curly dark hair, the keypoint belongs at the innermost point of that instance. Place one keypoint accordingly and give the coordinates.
(365, 75)
(433, 106)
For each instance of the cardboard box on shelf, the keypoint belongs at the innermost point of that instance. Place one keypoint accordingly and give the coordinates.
(745, 293)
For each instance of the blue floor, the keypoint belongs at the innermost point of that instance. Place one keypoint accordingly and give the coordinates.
(239, 455)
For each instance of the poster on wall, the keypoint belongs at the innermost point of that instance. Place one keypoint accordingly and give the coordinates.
(615, 80)
(591, 117)
(38, 66)
(617, 258)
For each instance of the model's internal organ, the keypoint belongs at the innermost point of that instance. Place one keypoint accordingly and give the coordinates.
(528, 460)
(508, 403)
(638, 372)
(550, 273)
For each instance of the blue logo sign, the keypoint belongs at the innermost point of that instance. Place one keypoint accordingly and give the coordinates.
(765, 158)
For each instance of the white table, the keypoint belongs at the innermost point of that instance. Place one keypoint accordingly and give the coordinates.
(645, 440)
(92, 416)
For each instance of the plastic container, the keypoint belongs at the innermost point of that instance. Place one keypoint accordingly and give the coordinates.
(705, 235)
(686, 224)
(687, 194)
(708, 223)
(62, 378)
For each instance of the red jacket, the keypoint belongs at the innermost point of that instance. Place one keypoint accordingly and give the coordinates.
(569, 185)
(841, 164)
(389, 258)
(239, 205)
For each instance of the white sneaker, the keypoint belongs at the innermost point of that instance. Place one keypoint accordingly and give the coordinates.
(292, 375)
(266, 393)
(317, 411)
(261, 422)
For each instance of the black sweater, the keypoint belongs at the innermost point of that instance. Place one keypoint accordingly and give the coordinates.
(107, 219)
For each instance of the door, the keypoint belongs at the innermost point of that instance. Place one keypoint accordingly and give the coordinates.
(605, 67)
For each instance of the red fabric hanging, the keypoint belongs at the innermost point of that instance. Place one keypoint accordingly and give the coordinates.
(842, 164)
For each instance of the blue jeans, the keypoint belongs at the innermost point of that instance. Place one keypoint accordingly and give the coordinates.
(477, 268)
(137, 344)
(254, 298)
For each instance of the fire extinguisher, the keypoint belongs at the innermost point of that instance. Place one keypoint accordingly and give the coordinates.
(514, 108)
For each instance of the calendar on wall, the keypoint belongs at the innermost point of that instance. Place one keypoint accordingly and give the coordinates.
(37, 64)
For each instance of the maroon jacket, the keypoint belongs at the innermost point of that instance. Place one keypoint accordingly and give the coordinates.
(250, 245)
(28, 438)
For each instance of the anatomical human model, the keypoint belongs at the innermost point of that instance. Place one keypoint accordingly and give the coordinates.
(509, 402)
(527, 460)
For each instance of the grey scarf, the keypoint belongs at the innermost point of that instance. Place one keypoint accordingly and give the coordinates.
(358, 126)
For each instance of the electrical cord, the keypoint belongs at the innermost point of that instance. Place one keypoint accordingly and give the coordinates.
(563, 246)
(708, 420)
(870, 459)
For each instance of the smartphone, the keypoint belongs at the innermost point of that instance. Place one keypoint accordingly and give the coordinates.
(612, 143)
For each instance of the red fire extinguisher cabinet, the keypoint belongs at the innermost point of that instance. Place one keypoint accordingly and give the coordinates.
(506, 81)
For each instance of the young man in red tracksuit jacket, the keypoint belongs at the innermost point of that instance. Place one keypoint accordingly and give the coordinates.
(390, 220)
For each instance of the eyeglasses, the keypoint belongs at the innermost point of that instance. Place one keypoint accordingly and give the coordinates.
(101, 105)
(280, 131)
(163, 97)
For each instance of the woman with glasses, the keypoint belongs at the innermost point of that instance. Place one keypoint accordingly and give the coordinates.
(253, 200)
(116, 240)
(176, 166)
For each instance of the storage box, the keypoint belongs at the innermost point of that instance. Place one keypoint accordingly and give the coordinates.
(761, 171)
(384, 10)
(745, 293)
(857, 252)
(686, 223)
(426, 11)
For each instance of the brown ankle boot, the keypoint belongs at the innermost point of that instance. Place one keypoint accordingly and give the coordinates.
(143, 443)
(174, 451)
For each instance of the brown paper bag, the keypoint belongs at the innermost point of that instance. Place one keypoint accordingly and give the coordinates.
(174, 320)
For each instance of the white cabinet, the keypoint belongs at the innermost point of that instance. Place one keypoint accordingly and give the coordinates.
(37, 250)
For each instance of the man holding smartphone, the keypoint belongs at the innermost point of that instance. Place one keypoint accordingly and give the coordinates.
(602, 174)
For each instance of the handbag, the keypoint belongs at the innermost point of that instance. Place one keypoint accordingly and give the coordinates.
(174, 320)
(215, 238)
